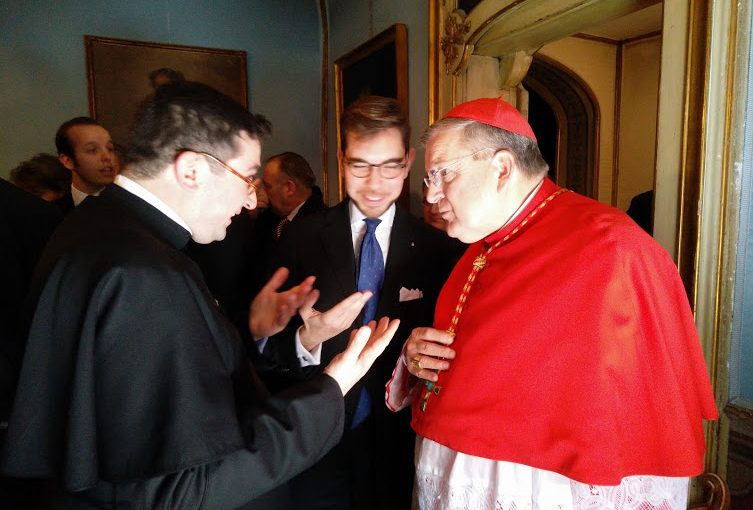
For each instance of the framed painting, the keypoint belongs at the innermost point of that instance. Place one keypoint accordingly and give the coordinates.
(121, 73)
(377, 67)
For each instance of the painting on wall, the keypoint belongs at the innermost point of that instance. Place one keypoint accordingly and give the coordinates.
(120, 74)
(377, 67)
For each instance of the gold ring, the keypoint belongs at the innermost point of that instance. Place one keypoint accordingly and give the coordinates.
(416, 363)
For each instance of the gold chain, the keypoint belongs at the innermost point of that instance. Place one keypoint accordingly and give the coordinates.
(479, 263)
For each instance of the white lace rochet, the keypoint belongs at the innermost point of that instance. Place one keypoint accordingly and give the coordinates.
(449, 480)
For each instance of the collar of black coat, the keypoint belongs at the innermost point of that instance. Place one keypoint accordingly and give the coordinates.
(155, 219)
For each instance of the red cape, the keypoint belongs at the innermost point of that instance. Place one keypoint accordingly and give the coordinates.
(576, 351)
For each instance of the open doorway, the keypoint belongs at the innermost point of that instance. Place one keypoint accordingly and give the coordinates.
(602, 85)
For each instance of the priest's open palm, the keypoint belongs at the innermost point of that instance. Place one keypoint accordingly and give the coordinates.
(365, 345)
(271, 311)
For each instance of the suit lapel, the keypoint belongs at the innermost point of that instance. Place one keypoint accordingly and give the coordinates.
(337, 243)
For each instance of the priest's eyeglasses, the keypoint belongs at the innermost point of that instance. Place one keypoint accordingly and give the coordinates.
(438, 176)
(248, 180)
(388, 170)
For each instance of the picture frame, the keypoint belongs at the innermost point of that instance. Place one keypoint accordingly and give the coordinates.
(377, 67)
(118, 75)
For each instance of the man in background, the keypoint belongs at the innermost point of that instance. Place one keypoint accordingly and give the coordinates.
(43, 176)
(26, 223)
(86, 149)
(291, 188)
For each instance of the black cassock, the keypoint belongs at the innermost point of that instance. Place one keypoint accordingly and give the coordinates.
(135, 388)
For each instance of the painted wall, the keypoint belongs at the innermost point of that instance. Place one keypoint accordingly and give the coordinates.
(639, 101)
(43, 69)
(595, 63)
(353, 23)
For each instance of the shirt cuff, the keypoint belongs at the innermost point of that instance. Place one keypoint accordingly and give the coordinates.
(402, 387)
(306, 358)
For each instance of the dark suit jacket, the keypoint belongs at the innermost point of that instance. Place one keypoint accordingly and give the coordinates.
(26, 222)
(229, 269)
(65, 203)
(420, 257)
(641, 210)
(267, 220)
(135, 390)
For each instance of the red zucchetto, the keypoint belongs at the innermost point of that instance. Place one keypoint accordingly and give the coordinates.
(495, 112)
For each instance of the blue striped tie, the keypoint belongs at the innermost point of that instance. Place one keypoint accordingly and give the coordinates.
(370, 277)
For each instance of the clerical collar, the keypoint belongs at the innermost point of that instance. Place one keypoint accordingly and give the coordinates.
(150, 198)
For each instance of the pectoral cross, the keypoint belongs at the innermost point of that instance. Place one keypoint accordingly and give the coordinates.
(430, 388)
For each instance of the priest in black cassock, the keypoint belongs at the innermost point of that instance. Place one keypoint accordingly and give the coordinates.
(135, 391)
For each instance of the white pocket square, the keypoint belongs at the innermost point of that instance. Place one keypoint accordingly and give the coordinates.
(410, 294)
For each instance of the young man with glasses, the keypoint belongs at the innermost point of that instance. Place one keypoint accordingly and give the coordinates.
(366, 241)
(135, 390)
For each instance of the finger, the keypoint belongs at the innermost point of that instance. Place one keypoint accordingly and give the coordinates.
(380, 327)
(358, 339)
(303, 289)
(307, 307)
(379, 341)
(296, 296)
(434, 335)
(427, 364)
(429, 341)
(349, 308)
(423, 348)
(428, 375)
(277, 279)
(340, 316)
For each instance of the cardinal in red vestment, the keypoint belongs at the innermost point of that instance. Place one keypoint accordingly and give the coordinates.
(564, 364)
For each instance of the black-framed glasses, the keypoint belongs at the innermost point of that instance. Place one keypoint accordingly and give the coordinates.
(388, 170)
(250, 182)
(438, 176)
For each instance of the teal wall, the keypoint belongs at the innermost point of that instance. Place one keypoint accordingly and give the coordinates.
(43, 73)
(352, 23)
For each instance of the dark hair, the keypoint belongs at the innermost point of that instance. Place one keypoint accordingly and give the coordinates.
(171, 74)
(296, 167)
(368, 115)
(43, 172)
(186, 115)
(477, 136)
(63, 142)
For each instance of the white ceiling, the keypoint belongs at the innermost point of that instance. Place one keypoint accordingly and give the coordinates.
(633, 25)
